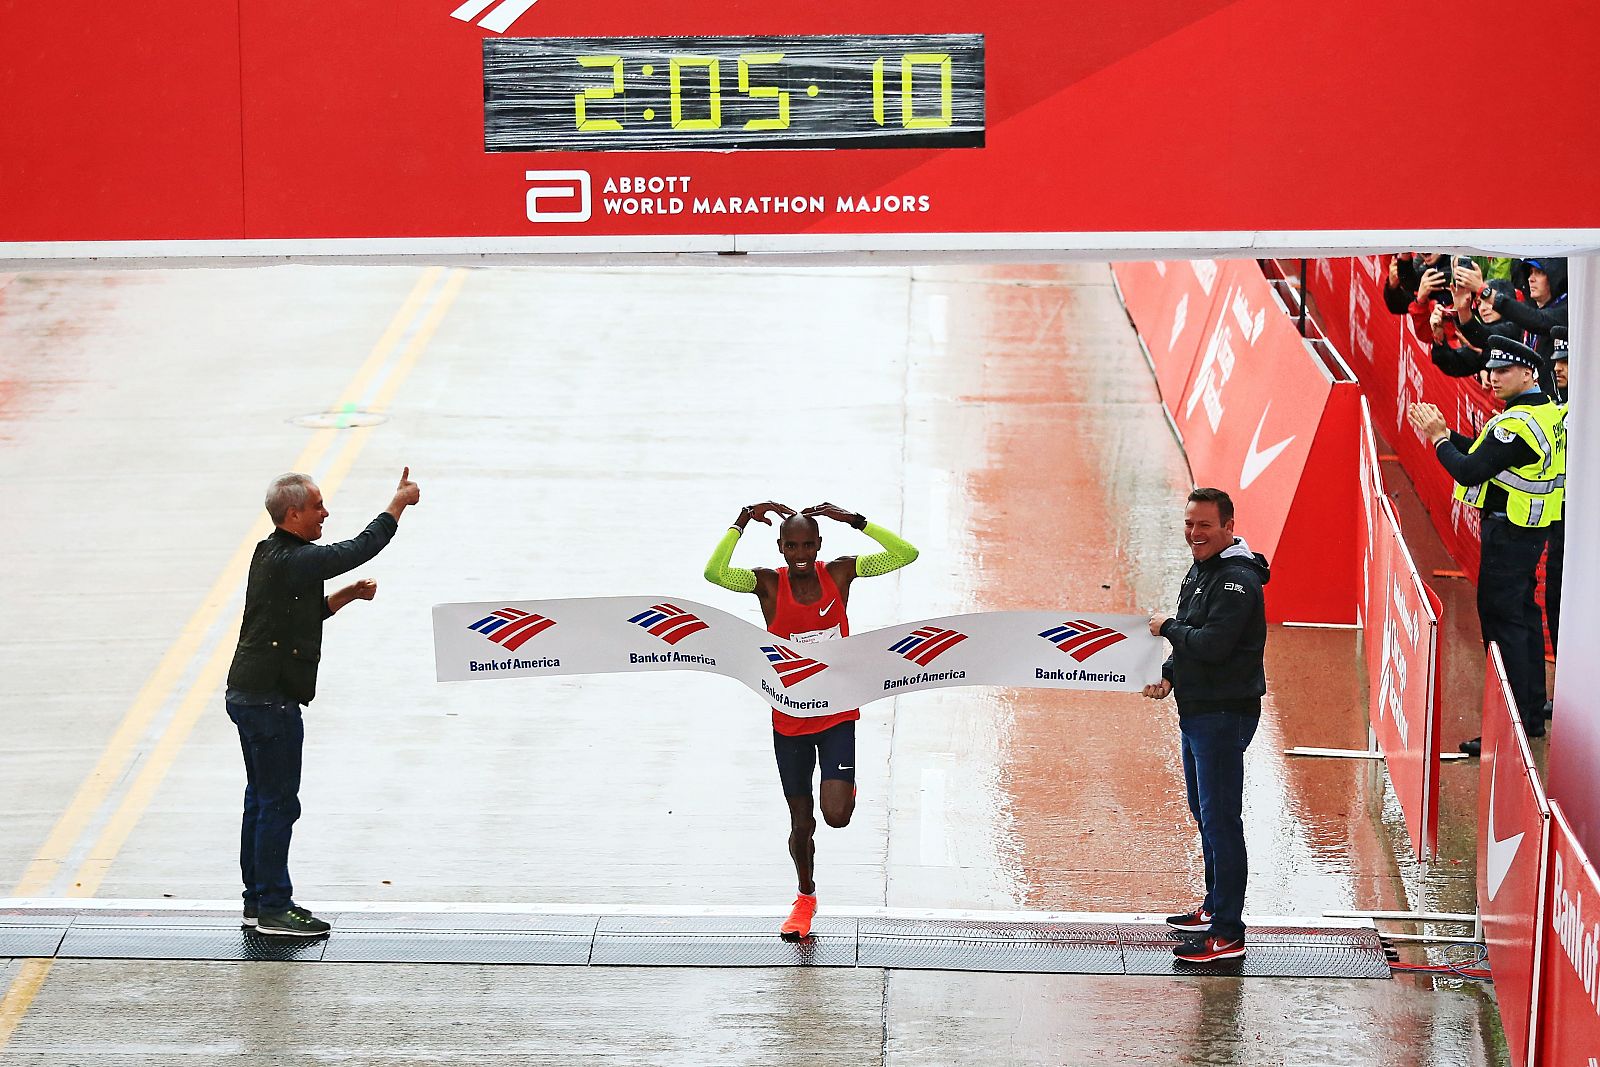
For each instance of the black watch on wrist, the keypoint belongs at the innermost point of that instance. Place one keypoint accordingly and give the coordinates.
(861, 521)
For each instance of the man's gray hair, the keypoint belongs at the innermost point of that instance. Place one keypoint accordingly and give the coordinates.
(287, 491)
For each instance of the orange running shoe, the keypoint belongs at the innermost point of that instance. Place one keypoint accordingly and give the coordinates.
(798, 925)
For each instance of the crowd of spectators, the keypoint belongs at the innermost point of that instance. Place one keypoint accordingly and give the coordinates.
(1504, 320)
(1458, 303)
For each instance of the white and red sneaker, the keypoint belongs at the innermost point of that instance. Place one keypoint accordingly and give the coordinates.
(1197, 921)
(1209, 950)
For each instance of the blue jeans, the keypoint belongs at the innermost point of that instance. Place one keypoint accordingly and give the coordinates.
(270, 736)
(1213, 772)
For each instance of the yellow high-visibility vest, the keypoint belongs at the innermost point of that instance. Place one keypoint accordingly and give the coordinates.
(1534, 492)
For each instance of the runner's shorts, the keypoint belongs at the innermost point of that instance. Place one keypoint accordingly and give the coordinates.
(834, 748)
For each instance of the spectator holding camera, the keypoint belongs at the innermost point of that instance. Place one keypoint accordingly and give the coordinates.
(1545, 308)
(1477, 320)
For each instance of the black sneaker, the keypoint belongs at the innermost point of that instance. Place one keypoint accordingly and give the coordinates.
(252, 915)
(1197, 921)
(293, 921)
(1209, 950)
(1473, 747)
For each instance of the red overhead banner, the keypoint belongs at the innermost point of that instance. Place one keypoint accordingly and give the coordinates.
(1569, 1018)
(646, 126)
(1513, 826)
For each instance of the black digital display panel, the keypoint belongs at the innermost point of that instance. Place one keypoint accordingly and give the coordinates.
(667, 94)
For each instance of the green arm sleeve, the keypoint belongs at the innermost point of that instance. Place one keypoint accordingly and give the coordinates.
(896, 554)
(719, 573)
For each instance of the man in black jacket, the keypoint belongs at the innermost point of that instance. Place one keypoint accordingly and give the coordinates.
(1217, 670)
(274, 673)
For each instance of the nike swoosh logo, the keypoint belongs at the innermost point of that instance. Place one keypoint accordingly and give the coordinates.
(1258, 459)
(1500, 853)
(852, 767)
(824, 609)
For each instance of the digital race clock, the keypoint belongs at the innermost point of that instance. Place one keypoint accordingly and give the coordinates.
(632, 94)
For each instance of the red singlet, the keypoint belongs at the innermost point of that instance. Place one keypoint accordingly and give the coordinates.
(803, 624)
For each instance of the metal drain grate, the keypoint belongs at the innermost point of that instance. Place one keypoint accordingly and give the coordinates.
(644, 941)
(702, 940)
(549, 940)
(1055, 948)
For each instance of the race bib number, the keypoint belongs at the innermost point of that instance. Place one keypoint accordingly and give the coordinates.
(811, 637)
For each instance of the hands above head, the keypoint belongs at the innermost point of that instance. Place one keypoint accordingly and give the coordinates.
(1467, 279)
(759, 512)
(405, 494)
(1160, 691)
(1429, 421)
(826, 510)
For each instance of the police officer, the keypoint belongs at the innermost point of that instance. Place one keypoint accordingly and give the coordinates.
(1514, 473)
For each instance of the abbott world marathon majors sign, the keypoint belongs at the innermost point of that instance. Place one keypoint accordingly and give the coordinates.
(812, 674)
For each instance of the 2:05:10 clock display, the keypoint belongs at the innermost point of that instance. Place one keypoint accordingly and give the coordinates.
(632, 94)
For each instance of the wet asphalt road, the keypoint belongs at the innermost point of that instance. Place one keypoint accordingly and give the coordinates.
(591, 432)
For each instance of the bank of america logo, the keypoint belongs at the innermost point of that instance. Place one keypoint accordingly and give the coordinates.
(924, 646)
(499, 20)
(792, 667)
(511, 627)
(669, 622)
(1081, 639)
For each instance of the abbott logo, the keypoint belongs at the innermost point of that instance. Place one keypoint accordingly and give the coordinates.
(562, 185)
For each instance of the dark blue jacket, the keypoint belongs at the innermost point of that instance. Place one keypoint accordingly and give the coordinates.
(1219, 634)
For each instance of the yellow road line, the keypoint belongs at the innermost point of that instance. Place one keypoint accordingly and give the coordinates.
(32, 976)
(23, 989)
(209, 681)
(69, 828)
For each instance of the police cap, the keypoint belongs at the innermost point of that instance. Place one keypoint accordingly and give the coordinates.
(1560, 335)
(1504, 352)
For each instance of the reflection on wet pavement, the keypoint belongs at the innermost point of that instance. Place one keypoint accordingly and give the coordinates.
(1002, 417)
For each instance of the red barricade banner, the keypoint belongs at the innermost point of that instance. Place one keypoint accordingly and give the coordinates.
(1263, 418)
(1569, 994)
(1513, 831)
(1402, 642)
(1170, 303)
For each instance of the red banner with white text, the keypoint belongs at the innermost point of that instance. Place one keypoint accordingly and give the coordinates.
(1513, 828)
(1402, 647)
(1263, 417)
(1569, 1006)
(1171, 303)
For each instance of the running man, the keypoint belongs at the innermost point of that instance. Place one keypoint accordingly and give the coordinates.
(804, 602)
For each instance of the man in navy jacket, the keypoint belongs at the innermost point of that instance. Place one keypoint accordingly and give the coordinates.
(1217, 670)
